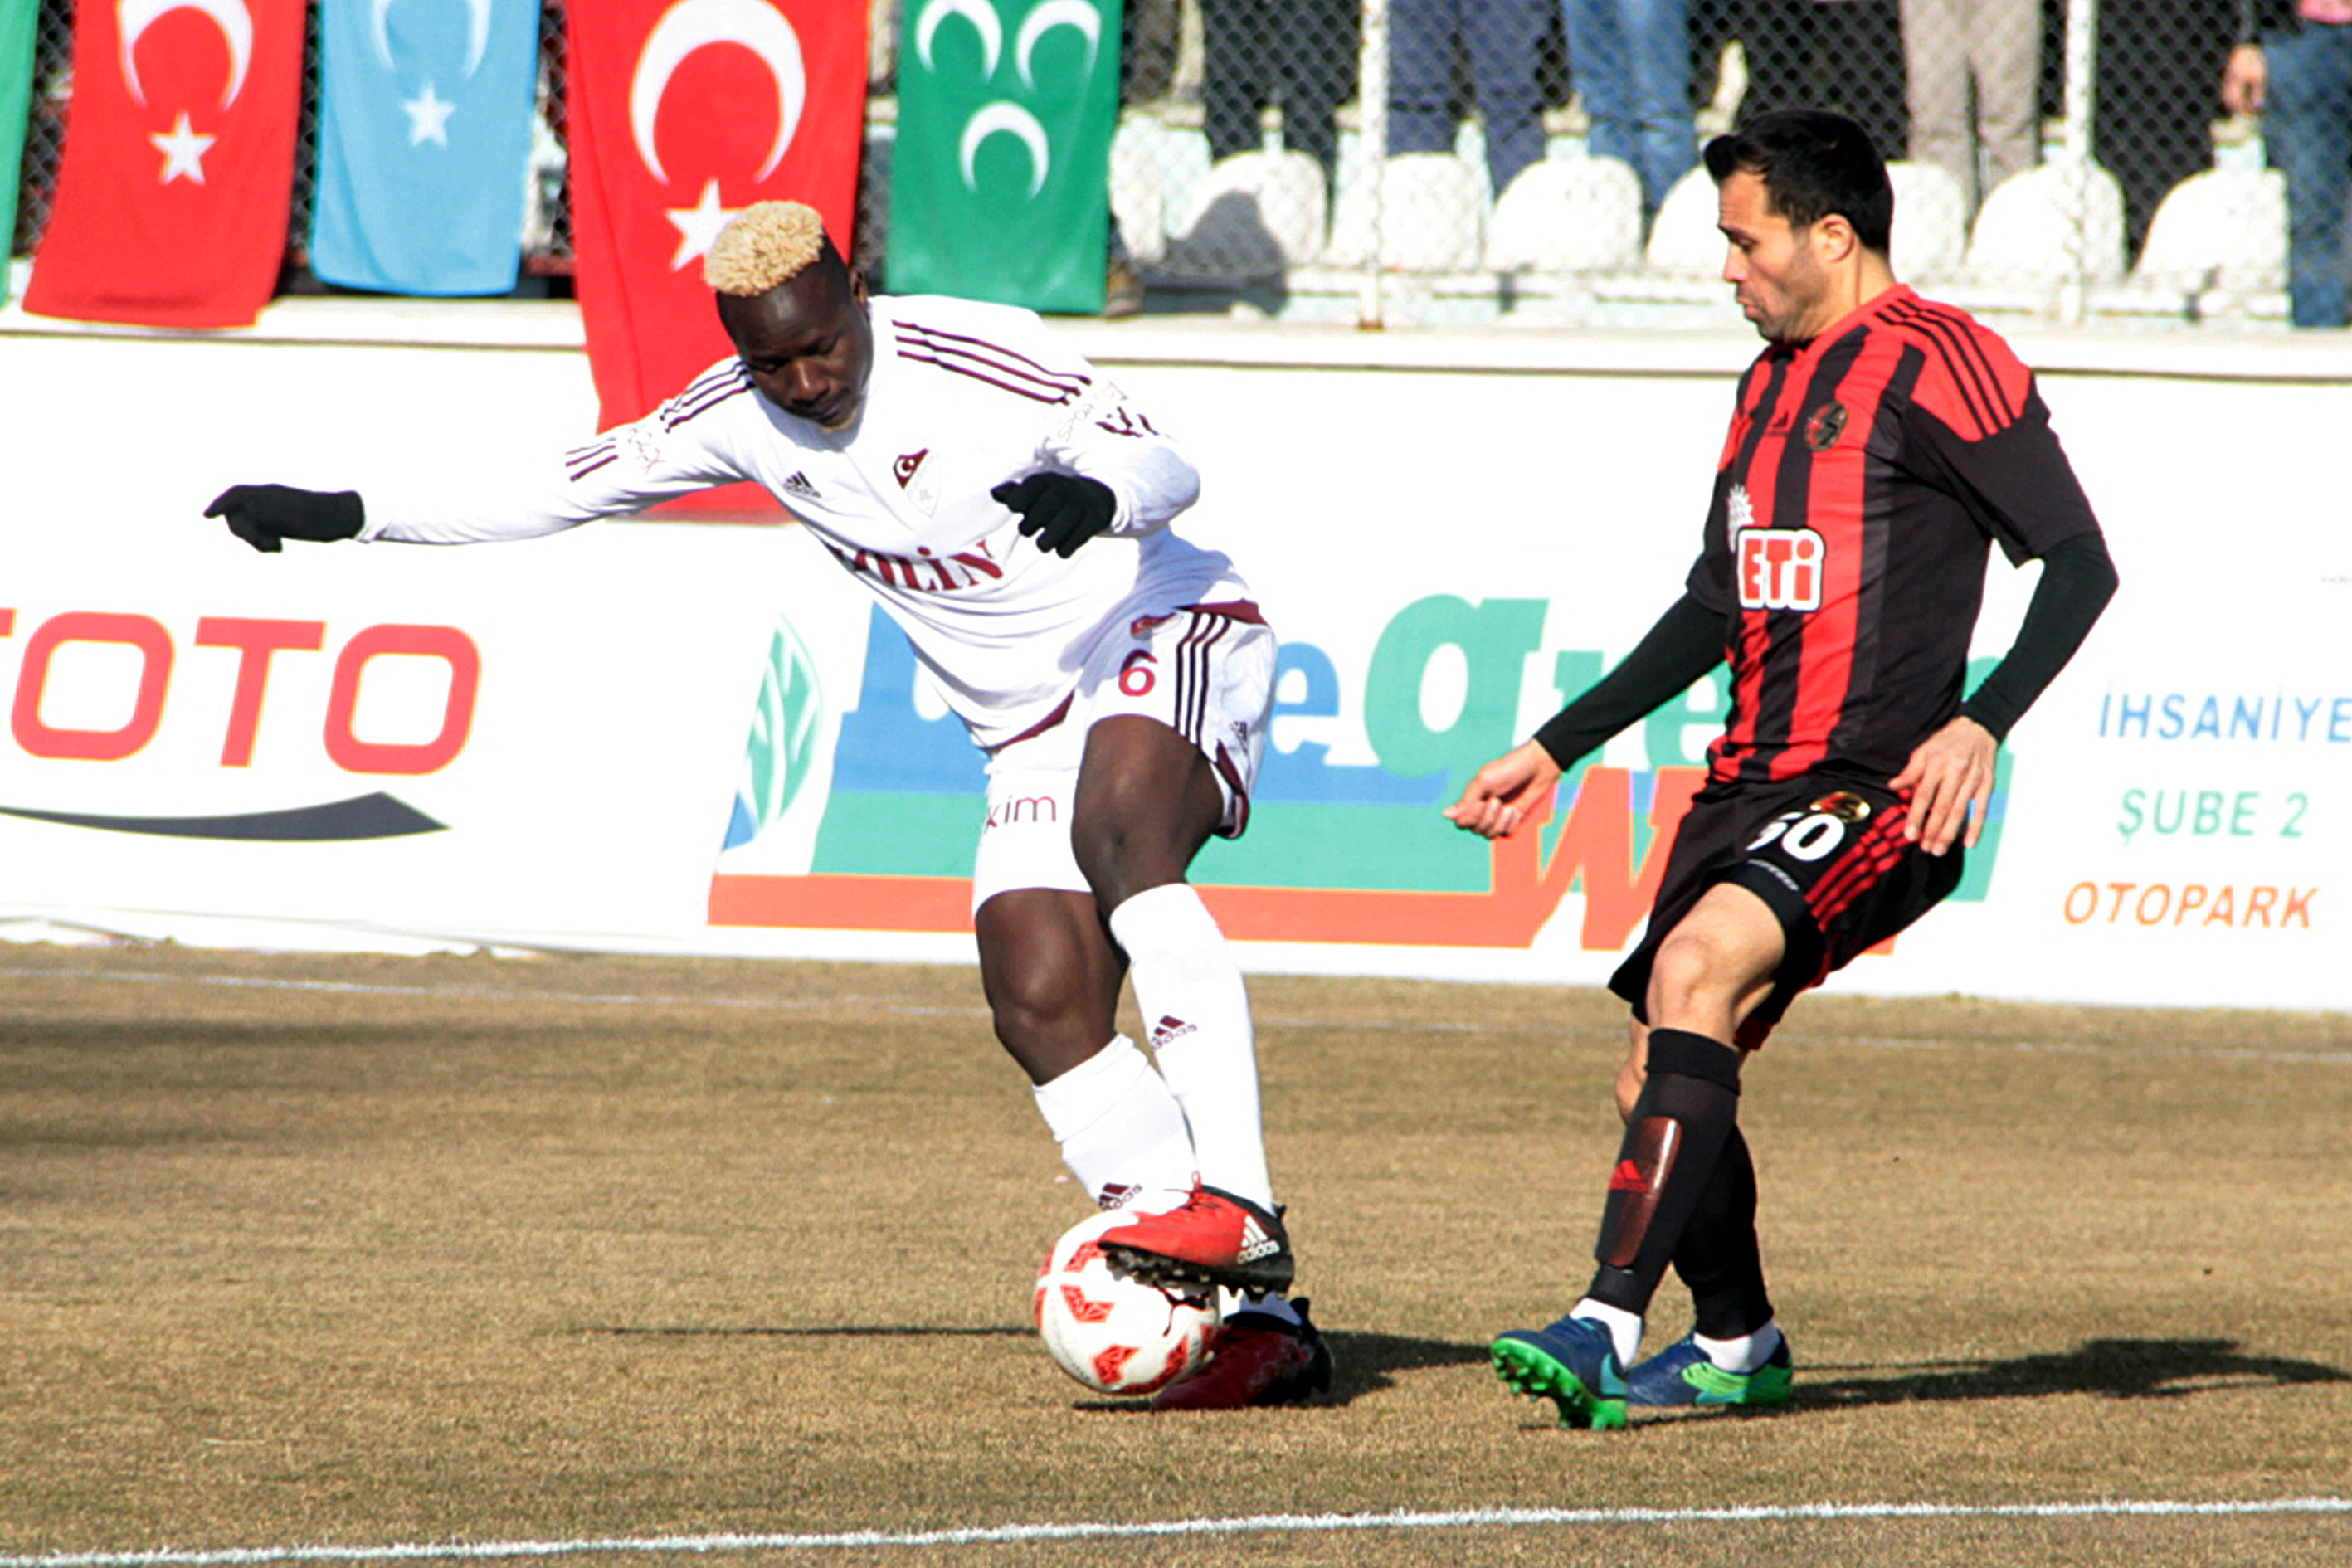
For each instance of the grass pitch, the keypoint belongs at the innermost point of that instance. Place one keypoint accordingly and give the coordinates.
(350, 1252)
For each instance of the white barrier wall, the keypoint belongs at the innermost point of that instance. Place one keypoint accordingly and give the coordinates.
(696, 737)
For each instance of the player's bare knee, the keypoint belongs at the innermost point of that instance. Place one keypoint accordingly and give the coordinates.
(1105, 858)
(1120, 860)
(1021, 1012)
(1044, 1032)
(1691, 975)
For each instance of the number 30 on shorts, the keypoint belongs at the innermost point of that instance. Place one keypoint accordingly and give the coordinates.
(1138, 673)
(1802, 836)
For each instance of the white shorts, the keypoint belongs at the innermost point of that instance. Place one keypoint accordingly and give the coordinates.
(1207, 673)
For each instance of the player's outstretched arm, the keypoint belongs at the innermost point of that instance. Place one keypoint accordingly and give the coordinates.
(1503, 794)
(267, 516)
(1948, 784)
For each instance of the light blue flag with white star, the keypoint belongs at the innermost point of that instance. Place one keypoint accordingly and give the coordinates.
(424, 143)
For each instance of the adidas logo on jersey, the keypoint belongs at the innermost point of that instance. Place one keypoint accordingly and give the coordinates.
(1168, 1030)
(1117, 1194)
(800, 485)
(1256, 1242)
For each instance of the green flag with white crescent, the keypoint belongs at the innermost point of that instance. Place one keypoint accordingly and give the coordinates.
(17, 25)
(999, 175)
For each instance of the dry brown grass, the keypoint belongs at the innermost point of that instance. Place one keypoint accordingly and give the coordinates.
(356, 1251)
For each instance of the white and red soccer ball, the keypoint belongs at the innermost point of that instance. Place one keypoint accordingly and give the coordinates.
(1109, 1330)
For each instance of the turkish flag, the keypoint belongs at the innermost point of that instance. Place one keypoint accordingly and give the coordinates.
(683, 112)
(172, 199)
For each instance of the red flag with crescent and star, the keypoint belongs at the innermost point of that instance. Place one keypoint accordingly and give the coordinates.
(172, 198)
(684, 112)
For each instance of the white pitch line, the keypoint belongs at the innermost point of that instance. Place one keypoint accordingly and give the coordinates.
(1273, 1524)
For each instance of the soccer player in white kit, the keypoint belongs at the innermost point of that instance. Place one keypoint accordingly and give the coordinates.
(1009, 509)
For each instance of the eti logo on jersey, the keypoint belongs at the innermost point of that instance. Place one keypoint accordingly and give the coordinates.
(1777, 568)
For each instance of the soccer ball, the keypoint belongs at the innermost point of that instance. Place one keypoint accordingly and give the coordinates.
(1109, 1330)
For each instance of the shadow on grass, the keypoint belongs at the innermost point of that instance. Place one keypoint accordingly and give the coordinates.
(822, 1332)
(1362, 1364)
(2118, 1369)
(1365, 1364)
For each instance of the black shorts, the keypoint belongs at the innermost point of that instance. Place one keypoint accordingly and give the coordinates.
(1825, 852)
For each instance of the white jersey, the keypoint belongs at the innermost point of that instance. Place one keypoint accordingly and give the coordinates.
(964, 397)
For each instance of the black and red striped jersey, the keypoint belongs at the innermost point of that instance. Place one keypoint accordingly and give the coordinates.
(1865, 474)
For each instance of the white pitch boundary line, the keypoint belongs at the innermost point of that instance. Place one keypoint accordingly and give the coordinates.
(1271, 1523)
(909, 1009)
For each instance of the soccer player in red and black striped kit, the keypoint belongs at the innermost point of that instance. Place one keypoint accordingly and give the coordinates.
(1880, 444)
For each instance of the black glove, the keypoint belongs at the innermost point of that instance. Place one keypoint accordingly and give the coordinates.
(1060, 512)
(265, 516)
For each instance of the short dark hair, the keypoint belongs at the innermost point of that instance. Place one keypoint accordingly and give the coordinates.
(1812, 163)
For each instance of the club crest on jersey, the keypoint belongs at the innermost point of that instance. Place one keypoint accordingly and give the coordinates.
(921, 487)
(1828, 422)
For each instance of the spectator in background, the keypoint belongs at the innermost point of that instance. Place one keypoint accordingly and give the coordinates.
(1300, 54)
(1147, 66)
(1632, 63)
(1504, 38)
(1150, 39)
(2298, 76)
(1844, 55)
(1993, 47)
(881, 46)
(2159, 62)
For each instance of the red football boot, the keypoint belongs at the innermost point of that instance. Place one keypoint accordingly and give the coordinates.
(1213, 1237)
(1257, 1358)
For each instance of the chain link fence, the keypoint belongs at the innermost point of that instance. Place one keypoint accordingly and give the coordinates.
(1481, 159)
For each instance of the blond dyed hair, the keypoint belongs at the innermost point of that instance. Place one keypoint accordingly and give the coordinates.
(766, 244)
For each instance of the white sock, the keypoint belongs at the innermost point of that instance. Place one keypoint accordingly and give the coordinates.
(1196, 1010)
(1119, 1126)
(1624, 1327)
(1745, 1353)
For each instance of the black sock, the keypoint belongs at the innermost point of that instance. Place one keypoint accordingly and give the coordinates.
(1717, 1257)
(1672, 1143)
